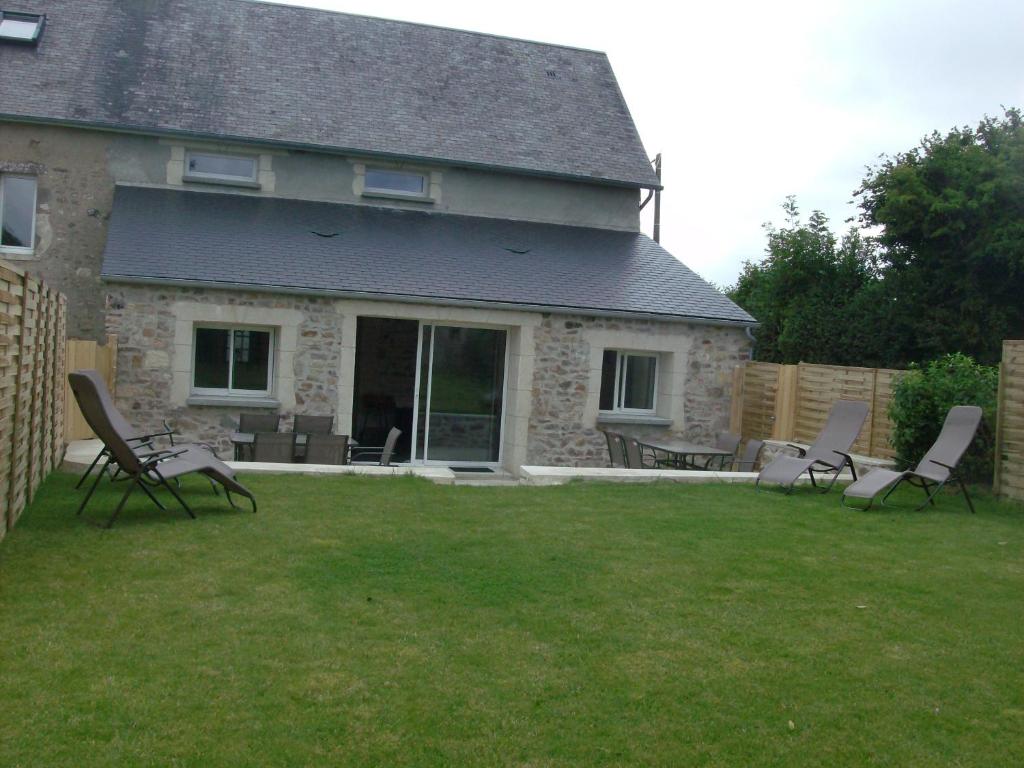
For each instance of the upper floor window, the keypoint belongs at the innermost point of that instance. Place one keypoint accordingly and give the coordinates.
(396, 183)
(17, 213)
(233, 361)
(629, 382)
(21, 27)
(221, 169)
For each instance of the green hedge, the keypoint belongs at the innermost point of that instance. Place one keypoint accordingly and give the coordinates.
(924, 396)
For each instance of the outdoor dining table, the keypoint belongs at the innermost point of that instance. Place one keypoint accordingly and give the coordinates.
(242, 439)
(682, 453)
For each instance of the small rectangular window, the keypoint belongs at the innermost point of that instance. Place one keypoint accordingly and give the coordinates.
(17, 213)
(232, 361)
(395, 183)
(629, 382)
(220, 169)
(21, 27)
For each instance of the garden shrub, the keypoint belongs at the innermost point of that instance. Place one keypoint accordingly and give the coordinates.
(923, 397)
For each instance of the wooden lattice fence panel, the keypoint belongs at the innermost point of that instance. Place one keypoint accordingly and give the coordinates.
(1009, 477)
(760, 387)
(32, 323)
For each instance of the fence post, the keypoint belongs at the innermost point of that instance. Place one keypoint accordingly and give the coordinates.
(997, 477)
(785, 402)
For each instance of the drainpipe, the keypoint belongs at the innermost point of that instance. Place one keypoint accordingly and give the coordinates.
(657, 200)
(753, 341)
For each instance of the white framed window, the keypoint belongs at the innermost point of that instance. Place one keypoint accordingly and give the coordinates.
(383, 182)
(232, 360)
(214, 168)
(21, 27)
(629, 382)
(17, 214)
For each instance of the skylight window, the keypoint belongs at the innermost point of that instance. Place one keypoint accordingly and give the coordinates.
(221, 169)
(21, 27)
(395, 183)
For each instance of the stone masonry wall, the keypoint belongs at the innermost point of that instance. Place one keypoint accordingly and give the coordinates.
(562, 432)
(143, 320)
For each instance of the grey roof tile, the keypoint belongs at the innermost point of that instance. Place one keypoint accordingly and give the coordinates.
(245, 240)
(303, 77)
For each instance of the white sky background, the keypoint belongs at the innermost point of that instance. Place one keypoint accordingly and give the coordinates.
(751, 101)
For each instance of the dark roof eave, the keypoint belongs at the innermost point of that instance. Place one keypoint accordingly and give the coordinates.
(325, 149)
(430, 300)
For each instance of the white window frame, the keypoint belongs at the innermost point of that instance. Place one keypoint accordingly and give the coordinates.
(621, 356)
(17, 250)
(229, 391)
(369, 191)
(217, 178)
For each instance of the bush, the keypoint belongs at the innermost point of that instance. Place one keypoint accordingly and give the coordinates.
(924, 396)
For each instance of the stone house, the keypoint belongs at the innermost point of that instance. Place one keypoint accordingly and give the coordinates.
(281, 208)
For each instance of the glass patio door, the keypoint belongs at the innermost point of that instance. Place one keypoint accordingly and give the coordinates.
(460, 395)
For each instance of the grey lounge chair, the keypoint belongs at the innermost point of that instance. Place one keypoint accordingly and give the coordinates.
(616, 449)
(139, 438)
(365, 455)
(149, 469)
(751, 453)
(274, 447)
(934, 470)
(327, 449)
(828, 455)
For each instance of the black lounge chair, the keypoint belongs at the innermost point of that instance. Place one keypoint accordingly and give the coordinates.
(828, 455)
(937, 467)
(146, 469)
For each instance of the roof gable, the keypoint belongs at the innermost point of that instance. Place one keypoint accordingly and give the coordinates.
(336, 82)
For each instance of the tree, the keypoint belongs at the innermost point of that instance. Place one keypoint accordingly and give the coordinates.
(951, 219)
(803, 292)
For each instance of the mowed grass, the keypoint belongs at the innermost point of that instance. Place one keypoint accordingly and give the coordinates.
(391, 622)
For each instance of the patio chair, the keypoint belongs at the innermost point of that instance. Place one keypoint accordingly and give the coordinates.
(327, 449)
(937, 467)
(146, 469)
(828, 455)
(256, 422)
(274, 447)
(382, 454)
(726, 441)
(313, 425)
(139, 438)
(751, 453)
(635, 455)
(616, 449)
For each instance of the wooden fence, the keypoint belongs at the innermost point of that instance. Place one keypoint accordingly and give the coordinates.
(792, 402)
(87, 354)
(32, 358)
(1009, 474)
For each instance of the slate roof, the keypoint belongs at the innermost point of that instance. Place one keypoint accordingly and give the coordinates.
(320, 80)
(236, 241)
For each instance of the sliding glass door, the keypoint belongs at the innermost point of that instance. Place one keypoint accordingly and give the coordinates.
(460, 394)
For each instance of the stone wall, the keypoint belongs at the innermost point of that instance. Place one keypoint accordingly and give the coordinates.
(315, 365)
(696, 380)
(145, 322)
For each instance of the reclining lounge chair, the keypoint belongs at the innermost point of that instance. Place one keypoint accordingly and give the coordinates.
(141, 468)
(933, 471)
(828, 455)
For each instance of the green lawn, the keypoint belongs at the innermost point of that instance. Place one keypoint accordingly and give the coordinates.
(390, 622)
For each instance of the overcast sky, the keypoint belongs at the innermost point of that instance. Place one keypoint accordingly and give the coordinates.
(750, 102)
